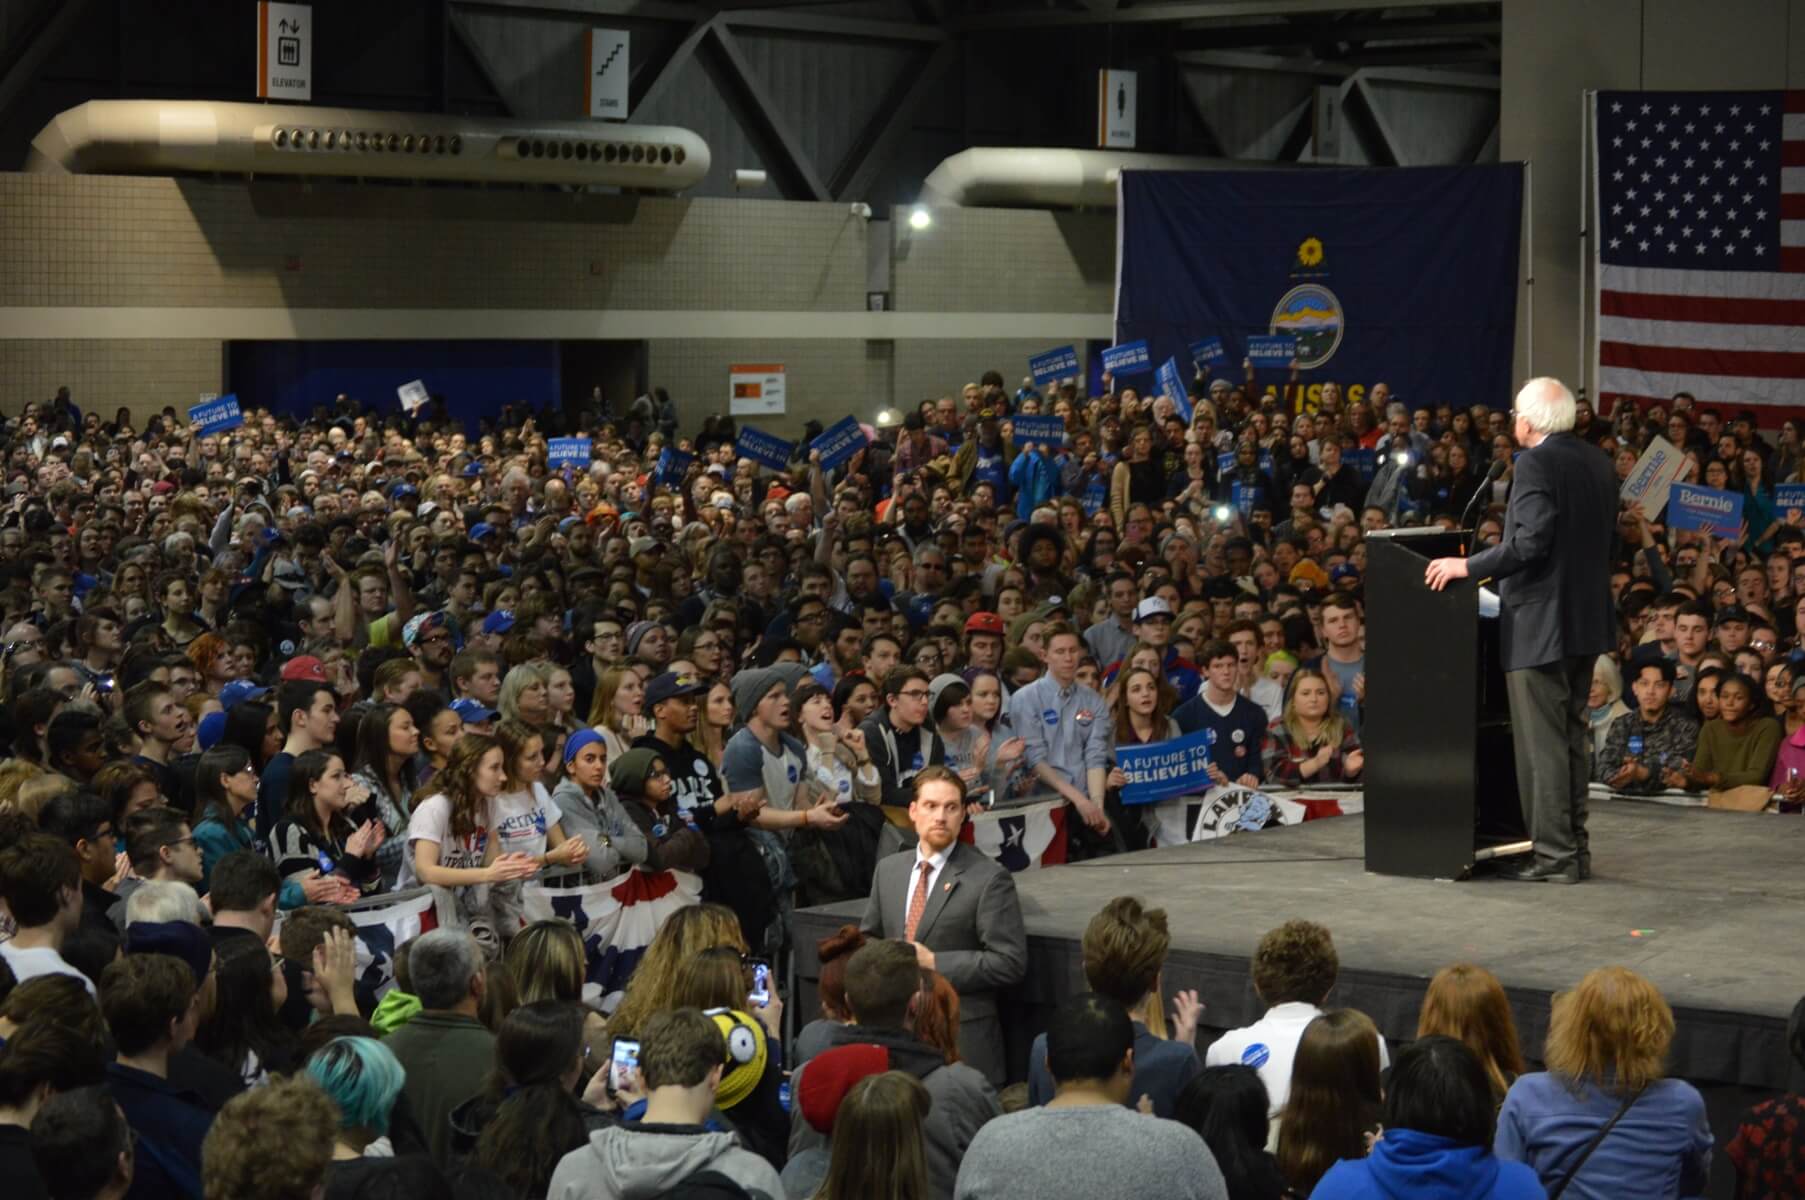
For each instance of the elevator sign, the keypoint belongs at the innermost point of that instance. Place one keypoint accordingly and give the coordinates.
(284, 51)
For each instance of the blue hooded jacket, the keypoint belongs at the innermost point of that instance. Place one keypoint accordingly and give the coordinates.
(1425, 1167)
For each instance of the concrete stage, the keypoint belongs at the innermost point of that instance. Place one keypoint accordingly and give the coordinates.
(1720, 898)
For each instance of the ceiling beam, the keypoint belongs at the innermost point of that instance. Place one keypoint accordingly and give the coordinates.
(511, 105)
(762, 113)
(1208, 35)
(672, 66)
(38, 46)
(790, 21)
(872, 151)
(1185, 10)
(584, 10)
(1238, 60)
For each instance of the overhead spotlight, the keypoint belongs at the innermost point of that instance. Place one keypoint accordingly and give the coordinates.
(920, 218)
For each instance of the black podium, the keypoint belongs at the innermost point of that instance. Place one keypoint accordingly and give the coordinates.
(1441, 782)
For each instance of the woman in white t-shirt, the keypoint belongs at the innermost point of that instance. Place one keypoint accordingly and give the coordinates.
(448, 833)
(524, 819)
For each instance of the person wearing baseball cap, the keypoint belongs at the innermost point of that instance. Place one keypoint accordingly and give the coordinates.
(736, 873)
(984, 636)
(305, 669)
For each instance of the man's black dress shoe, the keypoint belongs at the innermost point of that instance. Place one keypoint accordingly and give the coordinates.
(1545, 873)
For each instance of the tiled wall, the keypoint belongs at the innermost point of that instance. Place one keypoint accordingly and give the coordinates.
(164, 245)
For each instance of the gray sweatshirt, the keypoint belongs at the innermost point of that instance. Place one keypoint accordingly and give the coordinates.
(1050, 1153)
(643, 1161)
(588, 817)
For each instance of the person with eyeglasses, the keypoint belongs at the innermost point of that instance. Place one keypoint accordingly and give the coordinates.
(899, 740)
(162, 849)
(642, 782)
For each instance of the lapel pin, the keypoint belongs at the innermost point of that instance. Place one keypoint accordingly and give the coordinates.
(946, 887)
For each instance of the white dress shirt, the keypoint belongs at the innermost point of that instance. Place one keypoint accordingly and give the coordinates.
(936, 864)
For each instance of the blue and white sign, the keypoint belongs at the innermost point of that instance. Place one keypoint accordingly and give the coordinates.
(1130, 358)
(1366, 462)
(216, 416)
(567, 452)
(1208, 354)
(1705, 509)
(841, 441)
(1789, 498)
(1225, 462)
(1276, 350)
(1054, 365)
(1030, 430)
(763, 448)
(1162, 770)
(1172, 386)
(673, 464)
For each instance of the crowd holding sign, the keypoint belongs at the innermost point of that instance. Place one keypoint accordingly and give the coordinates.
(1172, 387)
(1130, 358)
(1208, 354)
(673, 465)
(1274, 350)
(763, 448)
(839, 442)
(1036, 431)
(1652, 477)
(413, 396)
(1161, 770)
(1702, 509)
(216, 416)
(567, 452)
(1054, 365)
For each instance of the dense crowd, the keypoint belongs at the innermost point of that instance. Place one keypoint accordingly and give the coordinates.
(255, 678)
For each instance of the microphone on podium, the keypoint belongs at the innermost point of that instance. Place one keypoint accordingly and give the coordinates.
(1492, 475)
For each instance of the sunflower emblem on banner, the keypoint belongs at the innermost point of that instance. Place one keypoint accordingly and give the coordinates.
(1310, 312)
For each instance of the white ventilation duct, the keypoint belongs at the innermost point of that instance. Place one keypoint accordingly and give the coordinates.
(998, 176)
(163, 136)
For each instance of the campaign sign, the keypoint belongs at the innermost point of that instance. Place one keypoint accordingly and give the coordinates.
(672, 465)
(216, 416)
(1130, 358)
(841, 441)
(1054, 365)
(1707, 509)
(567, 452)
(764, 449)
(1172, 387)
(1789, 498)
(1366, 462)
(413, 396)
(1225, 462)
(1030, 430)
(1162, 770)
(1208, 353)
(1278, 350)
(1652, 476)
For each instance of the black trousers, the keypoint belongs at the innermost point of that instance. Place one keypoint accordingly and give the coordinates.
(1553, 744)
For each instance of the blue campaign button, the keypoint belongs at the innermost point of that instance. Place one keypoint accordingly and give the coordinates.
(792, 772)
(1210, 736)
(917, 761)
(1255, 1056)
(1635, 745)
(1051, 716)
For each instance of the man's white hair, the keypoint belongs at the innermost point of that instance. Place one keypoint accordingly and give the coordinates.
(163, 900)
(1546, 405)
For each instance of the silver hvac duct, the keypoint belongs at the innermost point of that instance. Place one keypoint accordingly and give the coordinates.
(162, 136)
(1001, 176)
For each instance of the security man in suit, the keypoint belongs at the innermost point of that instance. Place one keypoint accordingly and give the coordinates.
(1554, 568)
(958, 909)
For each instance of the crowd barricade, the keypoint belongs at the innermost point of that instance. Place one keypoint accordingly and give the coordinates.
(617, 918)
(1672, 796)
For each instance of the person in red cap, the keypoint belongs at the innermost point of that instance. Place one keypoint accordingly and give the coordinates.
(984, 633)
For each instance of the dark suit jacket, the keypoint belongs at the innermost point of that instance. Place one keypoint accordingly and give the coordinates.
(973, 924)
(1554, 562)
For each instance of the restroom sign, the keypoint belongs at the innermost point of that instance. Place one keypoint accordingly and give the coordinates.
(284, 51)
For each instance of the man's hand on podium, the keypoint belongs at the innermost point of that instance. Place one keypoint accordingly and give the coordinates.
(1443, 571)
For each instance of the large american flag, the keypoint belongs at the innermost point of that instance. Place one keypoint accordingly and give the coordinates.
(1701, 246)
